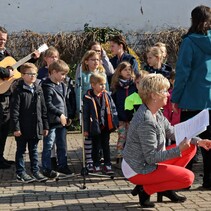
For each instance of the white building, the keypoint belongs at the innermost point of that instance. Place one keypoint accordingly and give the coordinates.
(71, 15)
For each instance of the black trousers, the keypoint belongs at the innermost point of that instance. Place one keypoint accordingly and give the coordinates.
(98, 142)
(4, 131)
(185, 115)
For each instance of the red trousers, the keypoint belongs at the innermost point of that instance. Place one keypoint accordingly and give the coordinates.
(169, 175)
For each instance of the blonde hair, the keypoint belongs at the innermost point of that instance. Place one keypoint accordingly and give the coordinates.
(58, 66)
(27, 66)
(156, 51)
(117, 75)
(97, 78)
(86, 57)
(152, 83)
(50, 52)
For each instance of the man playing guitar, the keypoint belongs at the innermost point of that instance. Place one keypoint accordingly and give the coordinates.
(5, 99)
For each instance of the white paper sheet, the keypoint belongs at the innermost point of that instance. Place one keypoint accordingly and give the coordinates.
(192, 127)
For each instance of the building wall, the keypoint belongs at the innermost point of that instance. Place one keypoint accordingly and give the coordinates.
(71, 15)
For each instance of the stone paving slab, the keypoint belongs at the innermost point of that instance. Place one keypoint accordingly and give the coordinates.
(100, 193)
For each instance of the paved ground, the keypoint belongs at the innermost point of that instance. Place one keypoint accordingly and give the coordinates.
(100, 194)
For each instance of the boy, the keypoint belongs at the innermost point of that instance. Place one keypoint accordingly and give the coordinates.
(100, 119)
(55, 93)
(29, 122)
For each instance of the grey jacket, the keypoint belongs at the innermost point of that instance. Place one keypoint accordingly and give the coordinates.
(146, 141)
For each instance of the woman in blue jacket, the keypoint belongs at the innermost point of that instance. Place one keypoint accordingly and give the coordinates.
(192, 89)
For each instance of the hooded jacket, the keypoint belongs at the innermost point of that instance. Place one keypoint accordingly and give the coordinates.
(192, 88)
(55, 102)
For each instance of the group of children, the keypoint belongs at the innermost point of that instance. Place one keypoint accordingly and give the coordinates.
(45, 107)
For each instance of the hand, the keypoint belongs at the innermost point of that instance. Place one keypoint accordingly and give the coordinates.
(185, 144)
(63, 120)
(86, 134)
(11, 72)
(205, 143)
(17, 133)
(36, 54)
(175, 108)
(45, 132)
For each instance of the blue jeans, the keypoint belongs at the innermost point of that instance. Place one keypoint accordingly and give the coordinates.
(57, 135)
(33, 154)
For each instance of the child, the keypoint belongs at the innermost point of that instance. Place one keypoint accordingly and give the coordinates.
(55, 92)
(96, 46)
(49, 56)
(100, 119)
(173, 117)
(133, 101)
(120, 50)
(90, 64)
(155, 62)
(29, 122)
(122, 85)
(163, 49)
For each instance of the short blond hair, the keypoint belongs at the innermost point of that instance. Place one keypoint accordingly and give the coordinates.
(58, 66)
(152, 83)
(24, 67)
(97, 78)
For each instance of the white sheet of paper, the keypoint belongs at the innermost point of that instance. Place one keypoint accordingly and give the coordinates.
(192, 127)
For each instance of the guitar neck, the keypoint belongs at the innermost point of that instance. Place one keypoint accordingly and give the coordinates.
(22, 61)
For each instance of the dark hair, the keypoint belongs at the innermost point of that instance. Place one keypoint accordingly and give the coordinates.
(3, 30)
(119, 39)
(201, 20)
(94, 43)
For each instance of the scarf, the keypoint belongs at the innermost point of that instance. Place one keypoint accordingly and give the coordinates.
(125, 83)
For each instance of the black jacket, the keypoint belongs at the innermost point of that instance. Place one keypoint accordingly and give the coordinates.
(96, 120)
(55, 102)
(28, 111)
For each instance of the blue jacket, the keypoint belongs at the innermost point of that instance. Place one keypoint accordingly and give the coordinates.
(128, 58)
(119, 99)
(55, 102)
(192, 88)
(102, 118)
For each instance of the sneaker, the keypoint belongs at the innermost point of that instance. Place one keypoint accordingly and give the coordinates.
(108, 170)
(51, 174)
(25, 178)
(89, 167)
(97, 169)
(39, 177)
(65, 170)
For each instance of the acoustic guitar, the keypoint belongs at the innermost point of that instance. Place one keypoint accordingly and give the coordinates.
(10, 62)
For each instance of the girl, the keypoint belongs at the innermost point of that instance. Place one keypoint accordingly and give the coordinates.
(120, 50)
(173, 117)
(90, 64)
(155, 62)
(133, 101)
(96, 46)
(49, 57)
(122, 85)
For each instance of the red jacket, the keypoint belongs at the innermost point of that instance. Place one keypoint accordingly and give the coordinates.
(173, 118)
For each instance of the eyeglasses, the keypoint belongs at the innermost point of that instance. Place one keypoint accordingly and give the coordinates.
(163, 92)
(30, 74)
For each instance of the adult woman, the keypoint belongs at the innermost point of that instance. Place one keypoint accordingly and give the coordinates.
(193, 76)
(146, 161)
